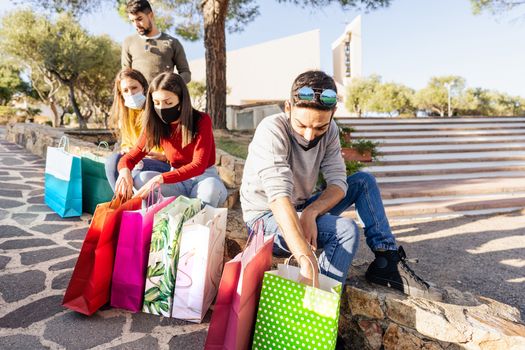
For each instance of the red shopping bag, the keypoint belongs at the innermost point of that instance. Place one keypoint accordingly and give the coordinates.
(89, 286)
(233, 316)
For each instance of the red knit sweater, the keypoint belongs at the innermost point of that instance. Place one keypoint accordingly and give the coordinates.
(188, 162)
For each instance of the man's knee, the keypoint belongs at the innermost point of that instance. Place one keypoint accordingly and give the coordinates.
(347, 230)
(362, 177)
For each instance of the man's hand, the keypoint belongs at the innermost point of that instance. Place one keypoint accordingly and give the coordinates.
(309, 271)
(124, 184)
(157, 156)
(144, 191)
(309, 226)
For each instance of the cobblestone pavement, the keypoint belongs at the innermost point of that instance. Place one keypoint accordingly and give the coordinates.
(38, 251)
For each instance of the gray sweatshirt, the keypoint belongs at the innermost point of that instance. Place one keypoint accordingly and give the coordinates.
(278, 167)
(154, 56)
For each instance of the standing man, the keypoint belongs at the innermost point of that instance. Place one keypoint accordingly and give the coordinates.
(285, 157)
(152, 52)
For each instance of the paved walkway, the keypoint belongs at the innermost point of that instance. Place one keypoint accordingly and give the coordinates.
(38, 250)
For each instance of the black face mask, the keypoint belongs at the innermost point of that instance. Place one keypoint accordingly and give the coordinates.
(168, 115)
(304, 143)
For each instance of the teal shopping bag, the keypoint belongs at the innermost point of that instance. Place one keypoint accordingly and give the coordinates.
(63, 180)
(292, 315)
(95, 185)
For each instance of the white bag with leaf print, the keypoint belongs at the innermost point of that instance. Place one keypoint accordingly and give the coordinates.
(200, 264)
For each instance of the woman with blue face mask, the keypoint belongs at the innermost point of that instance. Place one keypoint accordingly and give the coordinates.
(185, 135)
(126, 118)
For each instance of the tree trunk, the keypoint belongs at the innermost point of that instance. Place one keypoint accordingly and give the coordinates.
(56, 116)
(214, 14)
(81, 121)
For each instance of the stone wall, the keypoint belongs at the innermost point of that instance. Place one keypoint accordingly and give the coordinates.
(373, 317)
(36, 138)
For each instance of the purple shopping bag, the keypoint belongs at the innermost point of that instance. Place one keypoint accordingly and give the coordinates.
(131, 259)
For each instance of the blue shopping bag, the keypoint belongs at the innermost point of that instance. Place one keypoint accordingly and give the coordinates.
(63, 180)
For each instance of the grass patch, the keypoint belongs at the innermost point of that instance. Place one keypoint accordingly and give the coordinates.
(235, 148)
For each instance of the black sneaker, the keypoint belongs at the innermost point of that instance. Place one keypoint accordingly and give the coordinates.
(390, 269)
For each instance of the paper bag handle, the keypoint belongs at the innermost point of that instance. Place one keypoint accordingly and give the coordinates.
(258, 227)
(64, 139)
(151, 196)
(103, 144)
(287, 263)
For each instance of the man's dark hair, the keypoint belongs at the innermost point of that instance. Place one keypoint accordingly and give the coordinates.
(317, 80)
(136, 6)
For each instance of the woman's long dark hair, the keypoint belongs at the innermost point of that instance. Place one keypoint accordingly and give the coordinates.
(154, 128)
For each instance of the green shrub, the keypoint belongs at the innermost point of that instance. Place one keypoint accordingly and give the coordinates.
(353, 166)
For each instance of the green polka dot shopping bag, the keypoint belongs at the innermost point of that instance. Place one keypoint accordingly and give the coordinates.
(292, 315)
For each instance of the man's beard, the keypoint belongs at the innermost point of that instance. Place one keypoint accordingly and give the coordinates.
(144, 31)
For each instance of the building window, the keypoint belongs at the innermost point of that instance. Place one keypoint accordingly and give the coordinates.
(348, 70)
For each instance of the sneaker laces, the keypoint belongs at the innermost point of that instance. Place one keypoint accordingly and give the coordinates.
(407, 268)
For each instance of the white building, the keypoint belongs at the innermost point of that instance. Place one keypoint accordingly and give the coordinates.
(263, 73)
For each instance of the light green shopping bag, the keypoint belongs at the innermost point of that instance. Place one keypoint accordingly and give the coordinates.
(296, 316)
(164, 254)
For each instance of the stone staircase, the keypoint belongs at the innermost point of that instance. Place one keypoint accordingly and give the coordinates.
(448, 166)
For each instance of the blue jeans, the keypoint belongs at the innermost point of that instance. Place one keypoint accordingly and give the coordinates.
(338, 236)
(148, 164)
(208, 187)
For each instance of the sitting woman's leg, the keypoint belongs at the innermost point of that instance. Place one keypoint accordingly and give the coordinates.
(209, 188)
(111, 169)
(167, 190)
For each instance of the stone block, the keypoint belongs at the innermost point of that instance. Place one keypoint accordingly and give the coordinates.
(228, 162)
(373, 333)
(398, 338)
(364, 303)
(401, 312)
(232, 199)
(227, 176)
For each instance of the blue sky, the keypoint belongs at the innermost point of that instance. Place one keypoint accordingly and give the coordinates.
(408, 42)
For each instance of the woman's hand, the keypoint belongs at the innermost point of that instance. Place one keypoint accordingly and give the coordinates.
(157, 156)
(124, 184)
(144, 191)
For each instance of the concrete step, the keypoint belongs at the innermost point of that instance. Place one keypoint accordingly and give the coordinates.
(420, 121)
(440, 188)
(432, 127)
(442, 215)
(436, 158)
(477, 175)
(372, 135)
(451, 140)
(456, 205)
(444, 168)
(425, 149)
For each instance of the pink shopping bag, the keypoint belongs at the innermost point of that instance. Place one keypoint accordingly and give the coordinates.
(233, 317)
(129, 273)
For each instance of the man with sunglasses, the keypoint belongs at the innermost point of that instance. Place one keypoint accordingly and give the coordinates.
(150, 51)
(286, 156)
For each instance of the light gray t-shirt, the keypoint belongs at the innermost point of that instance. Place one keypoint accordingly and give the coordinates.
(278, 167)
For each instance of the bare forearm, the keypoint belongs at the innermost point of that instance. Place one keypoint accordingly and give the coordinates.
(288, 221)
(326, 201)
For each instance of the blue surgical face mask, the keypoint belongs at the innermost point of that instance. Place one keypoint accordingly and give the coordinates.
(135, 101)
